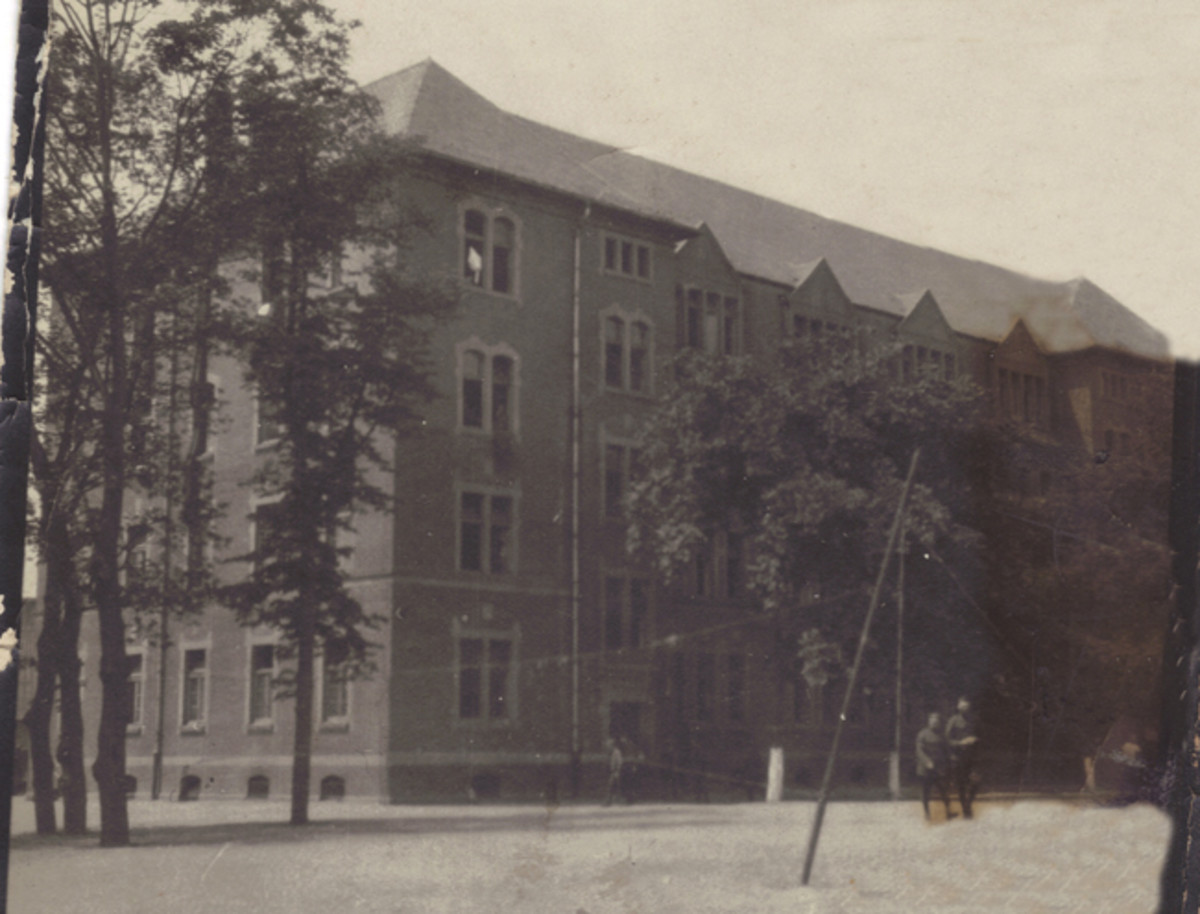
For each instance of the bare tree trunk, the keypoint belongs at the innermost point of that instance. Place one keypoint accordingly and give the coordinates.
(302, 752)
(40, 712)
(109, 768)
(70, 740)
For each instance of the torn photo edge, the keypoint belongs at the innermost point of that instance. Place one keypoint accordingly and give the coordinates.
(28, 131)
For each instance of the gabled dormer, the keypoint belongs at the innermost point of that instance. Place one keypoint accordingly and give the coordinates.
(817, 305)
(926, 340)
(1020, 378)
(708, 299)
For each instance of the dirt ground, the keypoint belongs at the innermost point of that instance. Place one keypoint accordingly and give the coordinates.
(357, 856)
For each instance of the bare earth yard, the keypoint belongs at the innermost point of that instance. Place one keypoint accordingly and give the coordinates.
(237, 856)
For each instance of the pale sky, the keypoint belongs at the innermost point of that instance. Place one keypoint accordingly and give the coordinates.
(1055, 140)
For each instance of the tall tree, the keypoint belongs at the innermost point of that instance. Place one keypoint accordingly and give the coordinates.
(805, 455)
(125, 179)
(341, 368)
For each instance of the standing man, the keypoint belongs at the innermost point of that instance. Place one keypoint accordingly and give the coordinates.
(616, 762)
(963, 744)
(931, 763)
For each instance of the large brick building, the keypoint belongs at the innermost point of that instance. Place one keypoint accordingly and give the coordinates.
(516, 628)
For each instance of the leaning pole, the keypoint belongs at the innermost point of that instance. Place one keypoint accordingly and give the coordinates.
(815, 834)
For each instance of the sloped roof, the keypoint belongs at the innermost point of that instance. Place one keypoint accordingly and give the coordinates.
(761, 237)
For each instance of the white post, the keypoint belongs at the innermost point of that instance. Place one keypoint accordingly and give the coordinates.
(775, 775)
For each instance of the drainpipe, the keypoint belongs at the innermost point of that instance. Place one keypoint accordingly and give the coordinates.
(576, 749)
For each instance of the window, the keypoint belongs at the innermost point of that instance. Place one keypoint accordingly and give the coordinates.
(134, 691)
(736, 684)
(719, 569)
(488, 388)
(627, 341)
(622, 465)
(268, 424)
(626, 258)
(731, 332)
(1115, 386)
(195, 688)
(485, 533)
(265, 530)
(335, 694)
(626, 612)
(489, 251)
(484, 678)
(1021, 396)
(262, 675)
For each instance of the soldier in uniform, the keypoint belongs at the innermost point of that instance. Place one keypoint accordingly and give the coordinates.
(931, 763)
(963, 745)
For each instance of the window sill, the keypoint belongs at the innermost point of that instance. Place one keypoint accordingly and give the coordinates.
(269, 445)
(625, 391)
(195, 729)
(261, 726)
(335, 726)
(484, 723)
(511, 297)
(633, 277)
(133, 729)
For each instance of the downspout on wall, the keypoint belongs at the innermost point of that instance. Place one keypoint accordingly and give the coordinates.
(576, 761)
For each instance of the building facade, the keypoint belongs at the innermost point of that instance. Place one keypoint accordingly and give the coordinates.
(517, 634)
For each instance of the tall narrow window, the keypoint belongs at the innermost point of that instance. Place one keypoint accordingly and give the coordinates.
(471, 532)
(474, 245)
(502, 372)
(614, 352)
(134, 691)
(695, 319)
(195, 680)
(503, 242)
(262, 672)
(499, 655)
(734, 563)
(501, 531)
(472, 389)
(335, 694)
(269, 424)
(639, 357)
(730, 334)
(470, 677)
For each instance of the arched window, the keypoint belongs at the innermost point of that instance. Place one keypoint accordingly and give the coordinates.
(627, 351)
(258, 787)
(473, 371)
(489, 251)
(332, 787)
(488, 379)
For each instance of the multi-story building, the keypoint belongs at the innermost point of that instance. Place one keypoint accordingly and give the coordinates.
(517, 632)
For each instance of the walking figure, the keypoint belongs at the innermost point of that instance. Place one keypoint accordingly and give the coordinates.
(963, 743)
(616, 765)
(932, 763)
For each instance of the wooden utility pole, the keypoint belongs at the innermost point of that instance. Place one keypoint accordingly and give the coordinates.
(894, 761)
(815, 834)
